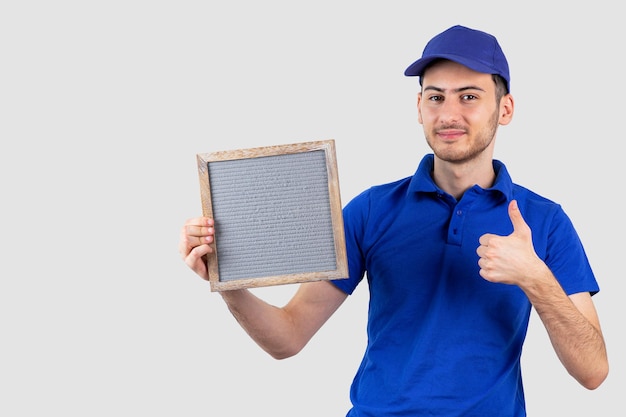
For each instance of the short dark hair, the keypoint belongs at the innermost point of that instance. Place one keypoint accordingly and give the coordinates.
(501, 86)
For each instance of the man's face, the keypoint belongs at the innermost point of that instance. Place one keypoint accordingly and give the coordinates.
(457, 108)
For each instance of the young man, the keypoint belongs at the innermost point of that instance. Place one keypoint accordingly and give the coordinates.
(455, 258)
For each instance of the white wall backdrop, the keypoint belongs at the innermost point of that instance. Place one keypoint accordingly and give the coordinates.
(103, 107)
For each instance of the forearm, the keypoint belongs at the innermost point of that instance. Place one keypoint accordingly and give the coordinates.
(574, 334)
(269, 326)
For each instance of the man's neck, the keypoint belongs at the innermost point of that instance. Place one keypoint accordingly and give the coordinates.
(456, 178)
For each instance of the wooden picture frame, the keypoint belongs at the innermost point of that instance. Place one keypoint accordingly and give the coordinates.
(278, 215)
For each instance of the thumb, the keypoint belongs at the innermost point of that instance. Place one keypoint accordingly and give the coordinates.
(516, 217)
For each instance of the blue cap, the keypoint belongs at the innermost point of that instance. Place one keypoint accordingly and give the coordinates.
(476, 50)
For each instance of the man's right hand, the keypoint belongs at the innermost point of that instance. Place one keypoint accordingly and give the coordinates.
(196, 237)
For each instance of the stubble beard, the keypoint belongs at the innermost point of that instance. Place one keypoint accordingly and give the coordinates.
(456, 155)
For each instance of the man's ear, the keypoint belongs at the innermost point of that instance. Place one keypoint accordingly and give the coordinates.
(419, 111)
(507, 106)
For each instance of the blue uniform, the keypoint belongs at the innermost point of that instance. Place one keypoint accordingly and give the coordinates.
(442, 341)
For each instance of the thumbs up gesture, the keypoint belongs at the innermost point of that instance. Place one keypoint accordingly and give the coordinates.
(509, 259)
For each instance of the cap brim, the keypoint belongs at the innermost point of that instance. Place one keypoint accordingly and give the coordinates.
(417, 68)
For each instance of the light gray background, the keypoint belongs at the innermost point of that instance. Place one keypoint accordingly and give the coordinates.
(104, 106)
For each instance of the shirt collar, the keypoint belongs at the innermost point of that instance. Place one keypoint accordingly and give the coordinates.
(422, 180)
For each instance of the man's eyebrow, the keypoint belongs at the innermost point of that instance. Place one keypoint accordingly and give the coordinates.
(457, 90)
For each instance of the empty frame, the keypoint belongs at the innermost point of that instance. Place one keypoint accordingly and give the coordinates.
(277, 212)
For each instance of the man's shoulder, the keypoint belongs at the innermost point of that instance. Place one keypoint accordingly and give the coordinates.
(521, 193)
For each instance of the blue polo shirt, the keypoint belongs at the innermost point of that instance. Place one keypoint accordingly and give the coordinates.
(442, 341)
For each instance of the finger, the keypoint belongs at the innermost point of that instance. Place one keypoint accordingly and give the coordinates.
(200, 221)
(190, 245)
(196, 260)
(484, 239)
(516, 217)
(195, 232)
(199, 227)
(198, 252)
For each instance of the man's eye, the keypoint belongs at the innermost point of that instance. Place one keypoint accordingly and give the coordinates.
(435, 98)
(469, 97)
